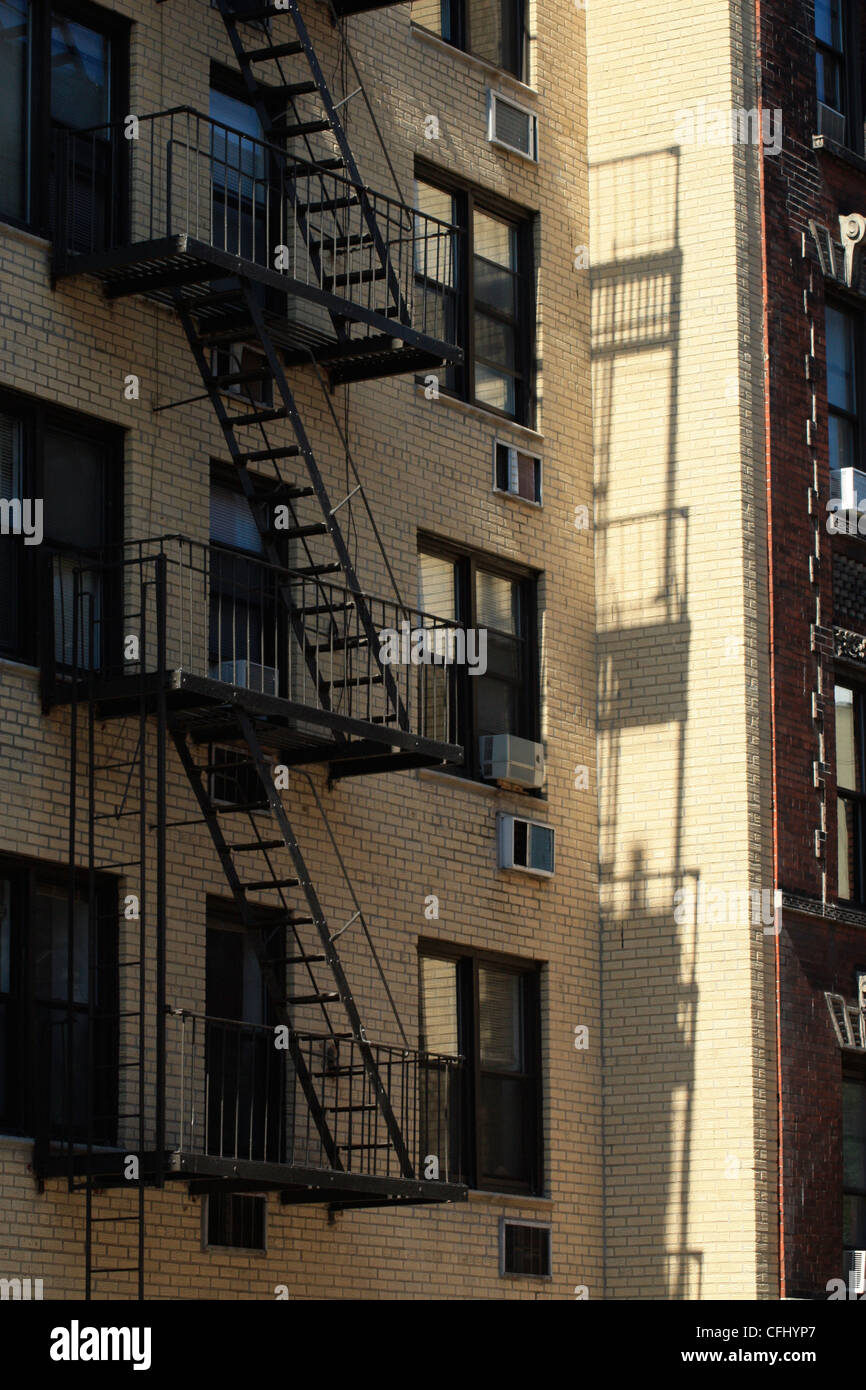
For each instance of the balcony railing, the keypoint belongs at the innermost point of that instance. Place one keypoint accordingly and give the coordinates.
(172, 604)
(240, 1099)
(299, 228)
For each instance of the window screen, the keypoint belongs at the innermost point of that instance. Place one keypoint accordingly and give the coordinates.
(237, 1220)
(525, 1249)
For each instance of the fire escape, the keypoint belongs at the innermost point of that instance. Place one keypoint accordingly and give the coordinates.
(274, 254)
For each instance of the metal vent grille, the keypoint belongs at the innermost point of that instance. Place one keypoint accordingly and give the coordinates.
(237, 1220)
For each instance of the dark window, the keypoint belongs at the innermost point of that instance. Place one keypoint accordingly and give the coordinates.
(843, 389)
(486, 1009)
(491, 29)
(850, 793)
(63, 68)
(524, 1248)
(838, 87)
(245, 1072)
(43, 1043)
(247, 642)
(488, 296)
(854, 1163)
(235, 1219)
(499, 601)
(73, 466)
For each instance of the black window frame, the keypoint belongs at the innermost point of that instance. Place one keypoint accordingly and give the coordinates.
(852, 310)
(848, 59)
(464, 704)
(41, 145)
(457, 20)
(466, 198)
(32, 1089)
(855, 799)
(37, 417)
(468, 961)
(852, 1074)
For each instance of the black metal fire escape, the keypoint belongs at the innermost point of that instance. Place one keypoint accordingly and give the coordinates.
(364, 269)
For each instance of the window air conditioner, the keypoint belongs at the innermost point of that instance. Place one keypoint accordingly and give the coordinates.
(512, 126)
(505, 758)
(848, 488)
(526, 845)
(855, 1271)
(249, 675)
(831, 123)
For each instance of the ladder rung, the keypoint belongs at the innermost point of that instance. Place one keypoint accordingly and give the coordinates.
(354, 277)
(292, 132)
(343, 243)
(258, 417)
(328, 608)
(299, 960)
(101, 1220)
(325, 165)
(345, 682)
(310, 570)
(328, 996)
(350, 1109)
(257, 455)
(341, 644)
(298, 89)
(276, 50)
(246, 845)
(246, 806)
(240, 378)
(331, 204)
(347, 1148)
(296, 533)
(261, 885)
(113, 1269)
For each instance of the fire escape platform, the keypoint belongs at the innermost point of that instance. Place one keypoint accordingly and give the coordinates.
(170, 266)
(207, 709)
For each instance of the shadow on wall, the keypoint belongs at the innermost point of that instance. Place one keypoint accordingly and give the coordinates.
(641, 540)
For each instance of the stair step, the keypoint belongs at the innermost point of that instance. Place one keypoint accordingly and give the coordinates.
(284, 492)
(240, 378)
(246, 845)
(275, 50)
(353, 1148)
(328, 996)
(317, 608)
(301, 960)
(210, 301)
(354, 277)
(258, 417)
(291, 132)
(261, 884)
(356, 680)
(331, 204)
(291, 451)
(340, 1071)
(315, 528)
(341, 644)
(343, 243)
(350, 1109)
(241, 806)
(298, 89)
(310, 571)
(332, 163)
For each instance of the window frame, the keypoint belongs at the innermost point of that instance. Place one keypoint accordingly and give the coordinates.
(460, 24)
(467, 562)
(467, 197)
(469, 960)
(851, 795)
(38, 417)
(851, 1073)
(848, 59)
(852, 310)
(39, 143)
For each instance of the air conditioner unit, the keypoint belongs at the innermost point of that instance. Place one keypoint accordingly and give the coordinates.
(505, 758)
(512, 126)
(526, 845)
(855, 1271)
(516, 472)
(831, 123)
(249, 675)
(848, 489)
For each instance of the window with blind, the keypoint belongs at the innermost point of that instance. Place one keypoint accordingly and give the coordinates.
(485, 282)
(499, 599)
(854, 1162)
(850, 793)
(63, 68)
(838, 81)
(491, 29)
(486, 1009)
(74, 467)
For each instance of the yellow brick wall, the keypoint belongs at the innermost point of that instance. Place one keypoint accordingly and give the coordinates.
(424, 465)
(684, 783)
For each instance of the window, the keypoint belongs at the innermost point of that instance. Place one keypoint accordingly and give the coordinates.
(837, 76)
(854, 1163)
(850, 793)
(245, 635)
(72, 467)
(524, 1248)
(235, 1220)
(843, 367)
(38, 1042)
(516, 472)
(245, 1073)
(491, 29)
(486, 1009)
(497, 602)
(62, 68)
(488, 293)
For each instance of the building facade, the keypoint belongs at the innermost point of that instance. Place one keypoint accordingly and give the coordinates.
(295, 422)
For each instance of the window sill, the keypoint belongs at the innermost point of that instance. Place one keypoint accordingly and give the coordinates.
(15, 233)
(832, 147)
(481, 65)
(481, 1196)
(515, 497)
(477, 412)
(24, 666)
(432, 774)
